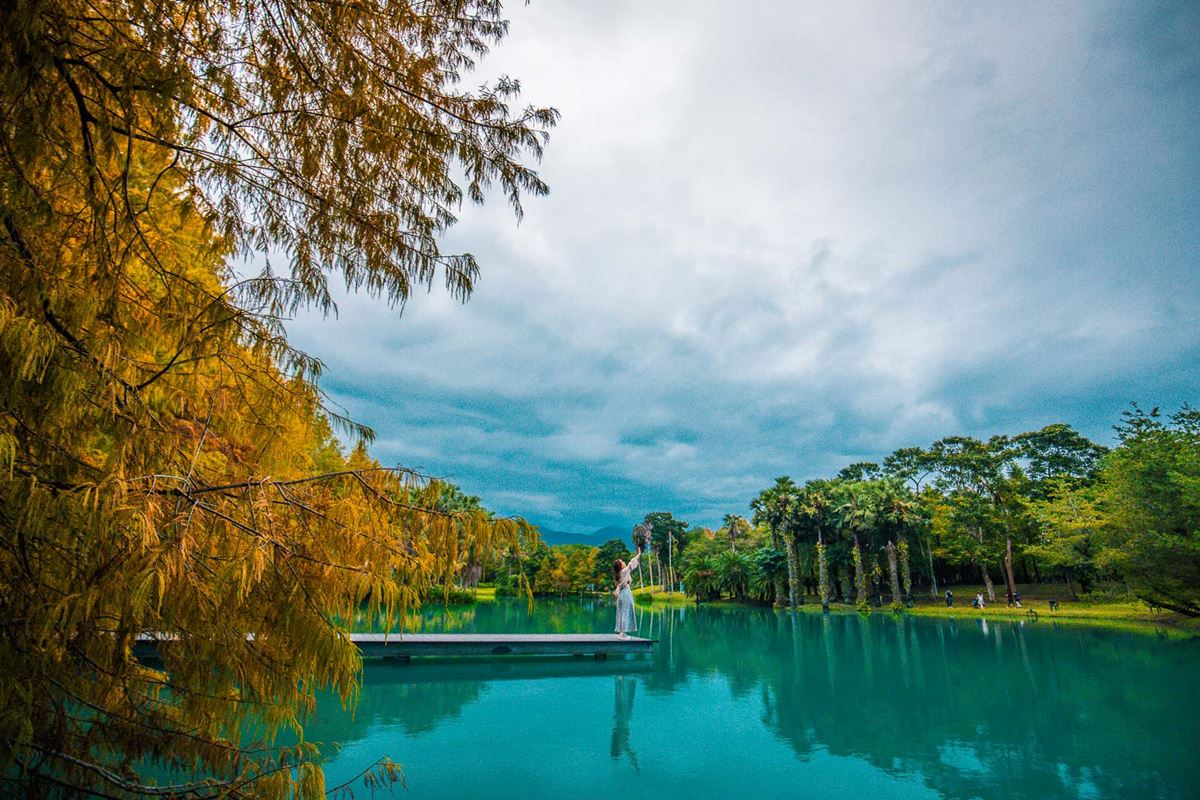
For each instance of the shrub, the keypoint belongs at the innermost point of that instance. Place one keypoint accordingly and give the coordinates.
(455, 597)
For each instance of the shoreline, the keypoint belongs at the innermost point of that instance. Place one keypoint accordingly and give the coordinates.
(1120, 614)
(1124, 614)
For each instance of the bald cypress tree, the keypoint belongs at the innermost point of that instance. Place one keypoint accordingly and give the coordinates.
(166, 462)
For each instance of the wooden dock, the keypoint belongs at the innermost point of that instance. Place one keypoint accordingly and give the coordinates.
(487, 669)
(597, 645)
(402, 647)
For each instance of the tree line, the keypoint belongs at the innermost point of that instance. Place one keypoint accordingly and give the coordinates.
(1045, 505)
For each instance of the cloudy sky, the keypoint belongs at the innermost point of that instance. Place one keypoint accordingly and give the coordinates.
(787, 236)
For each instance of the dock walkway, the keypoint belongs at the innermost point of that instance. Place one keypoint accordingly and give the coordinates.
(597, 645)
(402, 647)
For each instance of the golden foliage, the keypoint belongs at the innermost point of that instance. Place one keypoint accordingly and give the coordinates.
(166, 465)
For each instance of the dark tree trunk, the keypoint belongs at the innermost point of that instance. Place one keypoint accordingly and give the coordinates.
(1008, 570)
(1187, 611)
(987, 579)
(933, 587)
(987, 582)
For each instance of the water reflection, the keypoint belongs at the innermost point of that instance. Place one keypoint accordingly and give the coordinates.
(968, 709)
(624, 688)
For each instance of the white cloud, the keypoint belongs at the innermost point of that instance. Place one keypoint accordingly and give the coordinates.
(783, 233)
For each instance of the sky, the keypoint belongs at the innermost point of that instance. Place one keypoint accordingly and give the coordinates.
(783, 237)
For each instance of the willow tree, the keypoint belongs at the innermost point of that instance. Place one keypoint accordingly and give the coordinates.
(167, 463)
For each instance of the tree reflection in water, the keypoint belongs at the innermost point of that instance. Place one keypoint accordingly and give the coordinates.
(1003, 710)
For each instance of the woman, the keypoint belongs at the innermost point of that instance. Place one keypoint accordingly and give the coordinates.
(625, 620)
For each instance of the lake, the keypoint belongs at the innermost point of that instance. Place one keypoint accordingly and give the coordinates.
(747, 702)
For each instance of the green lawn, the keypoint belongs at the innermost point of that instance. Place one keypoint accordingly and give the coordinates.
(1097, 608)
(658, 596)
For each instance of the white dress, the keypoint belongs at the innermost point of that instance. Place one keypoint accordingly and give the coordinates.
(625, 619)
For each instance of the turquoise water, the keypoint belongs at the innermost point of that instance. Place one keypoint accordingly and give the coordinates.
(740, 702)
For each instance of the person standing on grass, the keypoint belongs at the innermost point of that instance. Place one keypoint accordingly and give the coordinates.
(625, 618)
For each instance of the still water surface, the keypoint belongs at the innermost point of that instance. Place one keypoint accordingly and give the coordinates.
(742, 702)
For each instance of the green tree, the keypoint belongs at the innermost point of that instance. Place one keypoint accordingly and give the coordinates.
(735, 527)
(735, 573)
(668, 535)
(859, 471)
(702, 577)
(901, 517)
(581, 565)
(1072, 525)
(915, 467)
(1150, 497)
(1058, 452)
(607, 555)
(858, 515)
(552, 576)
(967, 472)
(774, 508)
(815, 516)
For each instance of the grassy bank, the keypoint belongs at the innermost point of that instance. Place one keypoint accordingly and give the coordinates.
(1111, 610)
(1095, 609)
(655, 595)
(1115, 615)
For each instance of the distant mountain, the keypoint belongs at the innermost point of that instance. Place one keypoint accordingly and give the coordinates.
(593, 539)
(553, 537)
(602, 535)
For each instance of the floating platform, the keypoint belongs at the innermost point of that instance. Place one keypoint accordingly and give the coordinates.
(402, 647)
(487, 669)
(597, 645)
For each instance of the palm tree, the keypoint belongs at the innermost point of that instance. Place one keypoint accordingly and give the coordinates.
(768, 567)
(735, 527)
(774, 507)
(901, 514)
(858, 516)
(702, 578)
(814, 508)
(892, 576)
(734, 571)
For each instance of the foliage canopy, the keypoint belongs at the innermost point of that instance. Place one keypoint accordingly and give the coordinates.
(166, 462)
